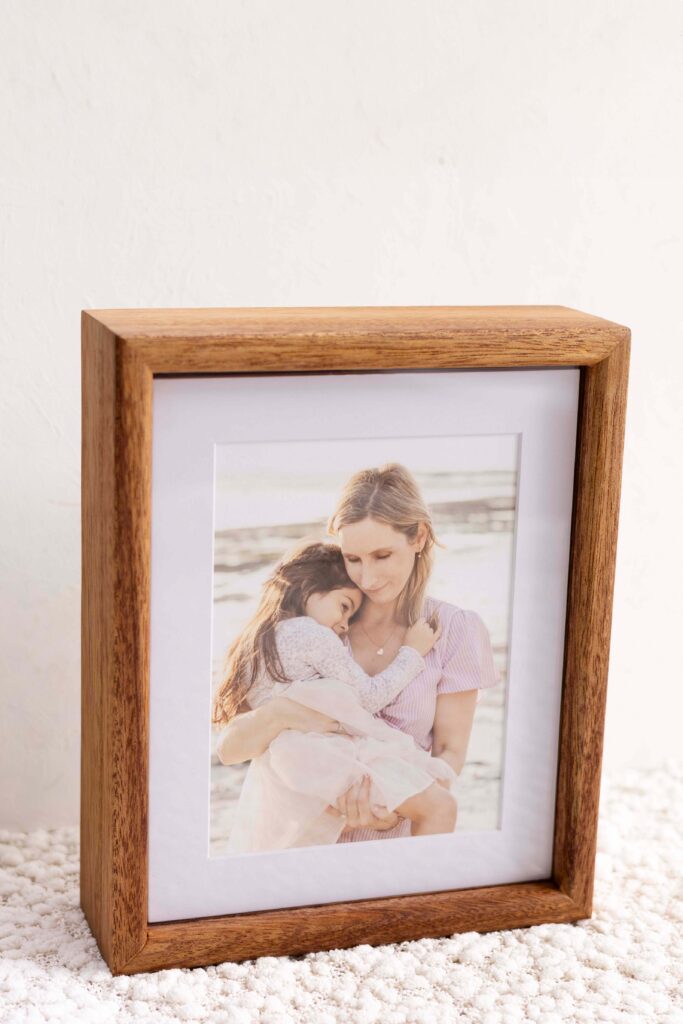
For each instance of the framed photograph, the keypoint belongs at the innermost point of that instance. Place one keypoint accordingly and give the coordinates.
(347, 593)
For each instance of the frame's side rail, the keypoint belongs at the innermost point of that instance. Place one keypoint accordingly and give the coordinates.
(130, 694)
(600, 445)
(340, 925)
(116, 442)
(97, 624)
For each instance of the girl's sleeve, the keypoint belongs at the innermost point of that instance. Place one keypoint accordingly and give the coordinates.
(470, 666)
(327, 655)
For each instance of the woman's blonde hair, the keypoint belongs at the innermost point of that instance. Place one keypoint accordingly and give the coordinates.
(390, 494)
(312, 567)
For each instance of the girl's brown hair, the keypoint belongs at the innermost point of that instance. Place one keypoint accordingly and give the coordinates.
(390, 494)
(310, 568)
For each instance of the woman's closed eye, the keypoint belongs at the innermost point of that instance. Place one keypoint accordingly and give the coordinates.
(379, 557)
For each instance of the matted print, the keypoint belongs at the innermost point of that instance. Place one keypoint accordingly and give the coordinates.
(358, 600)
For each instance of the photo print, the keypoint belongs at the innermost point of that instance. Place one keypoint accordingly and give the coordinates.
(360, 634)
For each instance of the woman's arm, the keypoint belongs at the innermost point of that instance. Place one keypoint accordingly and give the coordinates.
(452, 727)
(249, 733)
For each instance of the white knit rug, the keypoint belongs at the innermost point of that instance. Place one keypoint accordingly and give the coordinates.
(625, 965)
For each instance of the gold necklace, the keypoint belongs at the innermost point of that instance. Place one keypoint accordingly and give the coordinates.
(380, 650)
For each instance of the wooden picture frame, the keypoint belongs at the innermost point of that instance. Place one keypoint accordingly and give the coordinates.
(122, 351)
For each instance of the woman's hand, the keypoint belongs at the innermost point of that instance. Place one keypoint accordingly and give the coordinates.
(292, 715)
(422, 635)
(355, 805)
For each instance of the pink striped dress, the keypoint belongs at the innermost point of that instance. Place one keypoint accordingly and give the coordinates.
(460, 660)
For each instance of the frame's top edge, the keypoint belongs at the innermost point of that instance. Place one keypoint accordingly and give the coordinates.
(368, 321)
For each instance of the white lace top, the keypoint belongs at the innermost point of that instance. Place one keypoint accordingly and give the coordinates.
(308, 650)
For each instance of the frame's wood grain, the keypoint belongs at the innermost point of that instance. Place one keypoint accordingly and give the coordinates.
(116, 439)
(338, 925)
(97, 630)
(600, 441)
(367, 338)
(121, 351)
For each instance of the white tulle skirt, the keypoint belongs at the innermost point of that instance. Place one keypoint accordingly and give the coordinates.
(287, 789)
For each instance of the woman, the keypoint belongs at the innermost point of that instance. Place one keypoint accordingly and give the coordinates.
(386, 536)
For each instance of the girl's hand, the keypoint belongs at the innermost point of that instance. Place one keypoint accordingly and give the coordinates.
(291, 715)
(422, 635)
(355, 805)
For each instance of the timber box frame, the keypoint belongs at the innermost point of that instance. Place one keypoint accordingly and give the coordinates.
(122, 350)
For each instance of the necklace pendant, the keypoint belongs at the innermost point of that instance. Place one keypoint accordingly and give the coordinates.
(381, 650)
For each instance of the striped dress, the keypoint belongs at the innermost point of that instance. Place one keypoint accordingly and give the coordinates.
(461, 659)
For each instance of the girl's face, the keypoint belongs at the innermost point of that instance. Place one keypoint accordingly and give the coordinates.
(378, 558)
(335, 608)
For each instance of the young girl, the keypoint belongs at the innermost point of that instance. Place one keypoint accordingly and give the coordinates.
(291, 648)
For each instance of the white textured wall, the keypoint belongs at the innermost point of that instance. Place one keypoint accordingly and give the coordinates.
(314, 153)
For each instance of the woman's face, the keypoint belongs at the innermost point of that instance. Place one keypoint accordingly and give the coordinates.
(378, 558)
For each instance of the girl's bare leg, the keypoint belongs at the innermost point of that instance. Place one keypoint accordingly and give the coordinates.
(433, 810)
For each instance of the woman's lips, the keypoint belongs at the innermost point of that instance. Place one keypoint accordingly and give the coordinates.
(376, 590)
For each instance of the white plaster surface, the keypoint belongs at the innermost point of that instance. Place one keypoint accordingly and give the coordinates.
(255, 154)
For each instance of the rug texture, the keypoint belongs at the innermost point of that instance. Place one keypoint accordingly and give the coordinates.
(624, 965)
